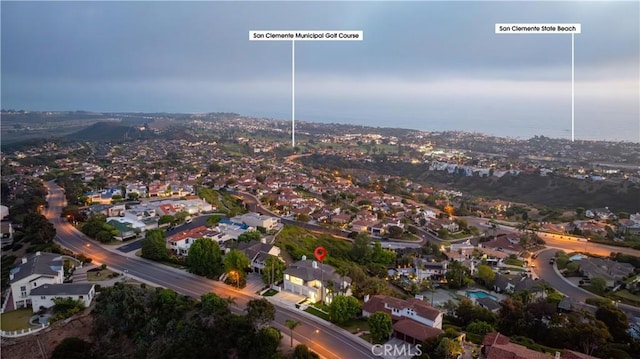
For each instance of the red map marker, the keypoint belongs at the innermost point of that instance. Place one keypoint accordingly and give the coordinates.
(320, 253)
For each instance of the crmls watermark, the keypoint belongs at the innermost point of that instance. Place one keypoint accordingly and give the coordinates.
(396, 350)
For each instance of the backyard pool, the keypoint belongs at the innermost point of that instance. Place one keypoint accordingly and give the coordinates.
(480, 294)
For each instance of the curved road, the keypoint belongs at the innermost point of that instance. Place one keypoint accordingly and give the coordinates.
(549, 273)
(322, 337)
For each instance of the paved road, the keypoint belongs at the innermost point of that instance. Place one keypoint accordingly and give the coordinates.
(137, 244)
(324, 338)
(548, 272)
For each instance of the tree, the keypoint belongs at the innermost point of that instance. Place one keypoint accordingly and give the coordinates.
(37, 229)
(486, 275)
(303, 217)
(361, 250)
(165, 219)
(212, 304)
(249, 236)
(380, 326)
(205, 258)
(395, 231)
(448, 349)
(457, 275)
(291, 324)
(236, 263)
(273, 270)
(511, 317)
(260, 312)
(343, 308)
(212, 221)
(66, 307)
(480, 327)
(617, 322)
(302, 352)
(180, 217)
(154, 246)
(587, 333)
(382, 256)
(598, 284)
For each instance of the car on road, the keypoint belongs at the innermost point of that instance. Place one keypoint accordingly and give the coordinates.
(552, 260)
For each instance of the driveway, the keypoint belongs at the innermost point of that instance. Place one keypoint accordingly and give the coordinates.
(254, 283)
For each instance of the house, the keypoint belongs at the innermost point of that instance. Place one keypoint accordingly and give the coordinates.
(256, 220)
(412, 308)
(437, 224)
(180, 242)
(42, 296)
(498, 346)
(316, 281)
(362, 225)
(414, 320)
(31, 272)
(509, 244)
(430, 269)
(602, 214)
(461, 251)
(488, 303)
(413, 332)
(504, 284)
(6, 233)
(126, 227)
(258, 252)
(611, 271)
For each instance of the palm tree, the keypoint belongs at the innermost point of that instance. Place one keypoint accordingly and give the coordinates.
(291, 324)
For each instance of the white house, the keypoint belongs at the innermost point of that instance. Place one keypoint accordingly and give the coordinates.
(258, 252)
(315, 281)
(180, 242)
(412, 308)
(414, 320)
(257, 220)
(42, 296)
(31, 272)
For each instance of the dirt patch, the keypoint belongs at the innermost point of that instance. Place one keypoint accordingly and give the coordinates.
(41, 344)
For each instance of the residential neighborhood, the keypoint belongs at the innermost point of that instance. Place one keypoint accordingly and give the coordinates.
(395, 245)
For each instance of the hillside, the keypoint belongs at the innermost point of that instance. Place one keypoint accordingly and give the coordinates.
(553, 191)
(110, 131)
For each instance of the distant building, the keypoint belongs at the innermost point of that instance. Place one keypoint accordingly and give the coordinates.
(6, 233)
(257, 220)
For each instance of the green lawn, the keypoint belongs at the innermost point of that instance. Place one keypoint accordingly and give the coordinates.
(627, 297)
(356, 325)
(16, 320)
(514, 262)
(317, 313)
(270, 292)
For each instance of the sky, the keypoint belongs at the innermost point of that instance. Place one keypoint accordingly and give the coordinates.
(429, 66)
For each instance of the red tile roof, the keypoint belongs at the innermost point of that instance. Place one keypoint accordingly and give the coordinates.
(377, 304)
(499, 347)
(192, 233)
(415, 330)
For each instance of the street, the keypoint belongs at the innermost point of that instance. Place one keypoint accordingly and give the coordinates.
(324, 338)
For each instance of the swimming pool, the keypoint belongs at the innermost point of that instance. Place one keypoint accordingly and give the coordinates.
(479, 294)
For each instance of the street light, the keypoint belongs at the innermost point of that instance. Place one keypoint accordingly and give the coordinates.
(237, 276)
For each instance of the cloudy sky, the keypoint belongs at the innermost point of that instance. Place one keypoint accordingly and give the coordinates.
(422, 65)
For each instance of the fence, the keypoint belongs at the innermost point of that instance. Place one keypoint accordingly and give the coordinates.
(23, 332)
